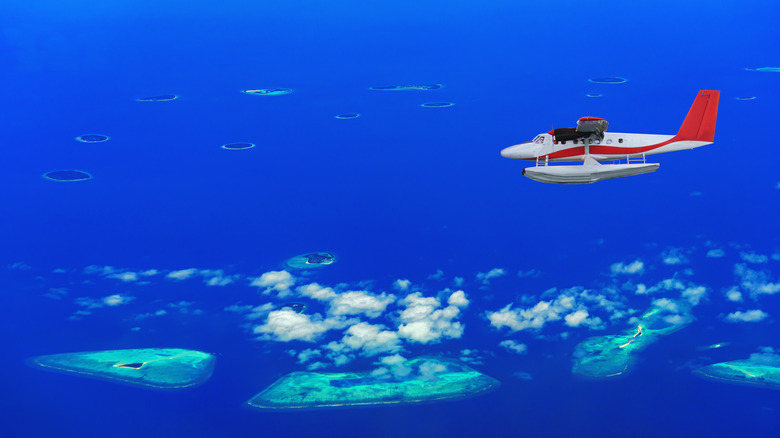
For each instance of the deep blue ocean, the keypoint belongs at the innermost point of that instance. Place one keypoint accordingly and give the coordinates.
(161, 247)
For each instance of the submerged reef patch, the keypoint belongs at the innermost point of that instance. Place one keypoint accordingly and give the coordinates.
(408, 87)
(593, 95)
(311, 260)
(745, 98)
(238, 146)
(765, 69)
(92, 138)
(613, 355)
(160, 98)
(348, 116)
(67, 175)
(608, 80)
(417, 380)
(761, 369)
(268, 91)
(159, 368)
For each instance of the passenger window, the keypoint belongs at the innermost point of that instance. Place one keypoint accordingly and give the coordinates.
(609, 141)
(620, 140)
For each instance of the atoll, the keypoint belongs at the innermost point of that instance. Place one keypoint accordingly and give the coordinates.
(408, 87)
(92, 138)
(268, 91)
(160, 98)
(238, 146)
(613, 355)
(421, 380)
(311, 260)
(67, 175)
(160, 368)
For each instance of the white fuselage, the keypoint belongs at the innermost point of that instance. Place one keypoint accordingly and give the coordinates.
(613, 146)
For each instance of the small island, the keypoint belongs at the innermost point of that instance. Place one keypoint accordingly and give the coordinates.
(428, 379)
(311, 260)
(613, 355)
(158, 368)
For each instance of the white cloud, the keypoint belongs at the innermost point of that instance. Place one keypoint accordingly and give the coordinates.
(127, 277)
(317, 292)
(357, 302)
(308, 354)
(493, 273)
(514, 346)
(99, 270)
(755, 315)
(752, 257)
(528, 273)
(371, 339)
(716, 253)
(766, 356)
(635, 267)
(288, 325)
(116, 300)
(458, 299)
(149, 272)
(755, 282)
(570, 302)
(694, 294)
(424, 321)
(458, 281)
(401, 284)
(734, 294)
(674, 256)
(280, 281)
(438, 275)
(109, 301)
(182, 274)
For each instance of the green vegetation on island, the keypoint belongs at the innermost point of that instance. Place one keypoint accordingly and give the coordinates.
(160, 368)
(613, 355)
(417, 380)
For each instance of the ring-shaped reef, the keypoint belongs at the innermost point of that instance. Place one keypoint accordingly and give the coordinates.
(743, 372)
(437, 104)
(608, 80)
(160, 98)
(424, 379)
(348, 116)
(311, 260)
(238, 146)
(158, 368)
(613, 355)
(67, 175)
(92, 138)
(408, 87)
(267, 91)
(295, 307)
(593, 95)
(745, 98)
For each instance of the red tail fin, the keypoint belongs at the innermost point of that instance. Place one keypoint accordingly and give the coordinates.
(699, 124)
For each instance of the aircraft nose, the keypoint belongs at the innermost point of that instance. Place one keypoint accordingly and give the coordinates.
(518, 152)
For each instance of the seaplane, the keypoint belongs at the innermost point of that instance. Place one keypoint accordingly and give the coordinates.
(590, 143)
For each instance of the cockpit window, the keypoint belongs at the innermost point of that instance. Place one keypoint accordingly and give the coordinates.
(539, 139)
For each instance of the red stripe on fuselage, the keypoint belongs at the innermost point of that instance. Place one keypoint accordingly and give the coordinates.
(597, 149)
